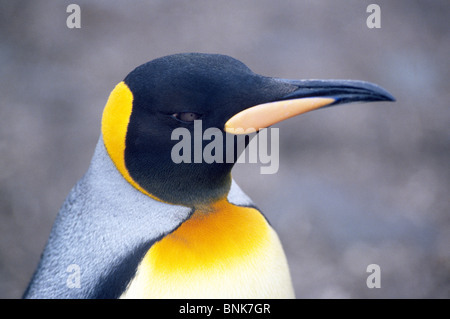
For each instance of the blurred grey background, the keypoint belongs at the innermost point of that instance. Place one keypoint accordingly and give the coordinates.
(357, 184)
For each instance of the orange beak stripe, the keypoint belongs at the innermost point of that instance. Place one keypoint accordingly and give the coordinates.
(264, 115)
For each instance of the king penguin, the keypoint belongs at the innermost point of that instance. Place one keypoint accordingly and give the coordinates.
(140, 225)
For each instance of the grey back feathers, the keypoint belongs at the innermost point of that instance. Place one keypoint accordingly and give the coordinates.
(104, 228)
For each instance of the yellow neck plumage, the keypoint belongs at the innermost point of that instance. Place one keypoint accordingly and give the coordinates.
(224, 251)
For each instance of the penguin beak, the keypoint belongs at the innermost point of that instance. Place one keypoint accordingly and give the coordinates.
(308, 95)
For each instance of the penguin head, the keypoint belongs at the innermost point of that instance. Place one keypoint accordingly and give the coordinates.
(187, 95)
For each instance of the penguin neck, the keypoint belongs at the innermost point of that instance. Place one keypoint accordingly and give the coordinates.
(152, 171)
(222, 245)
(192, 184)
(199, 192)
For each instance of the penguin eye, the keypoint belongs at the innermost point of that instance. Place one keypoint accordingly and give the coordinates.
(186, 116)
